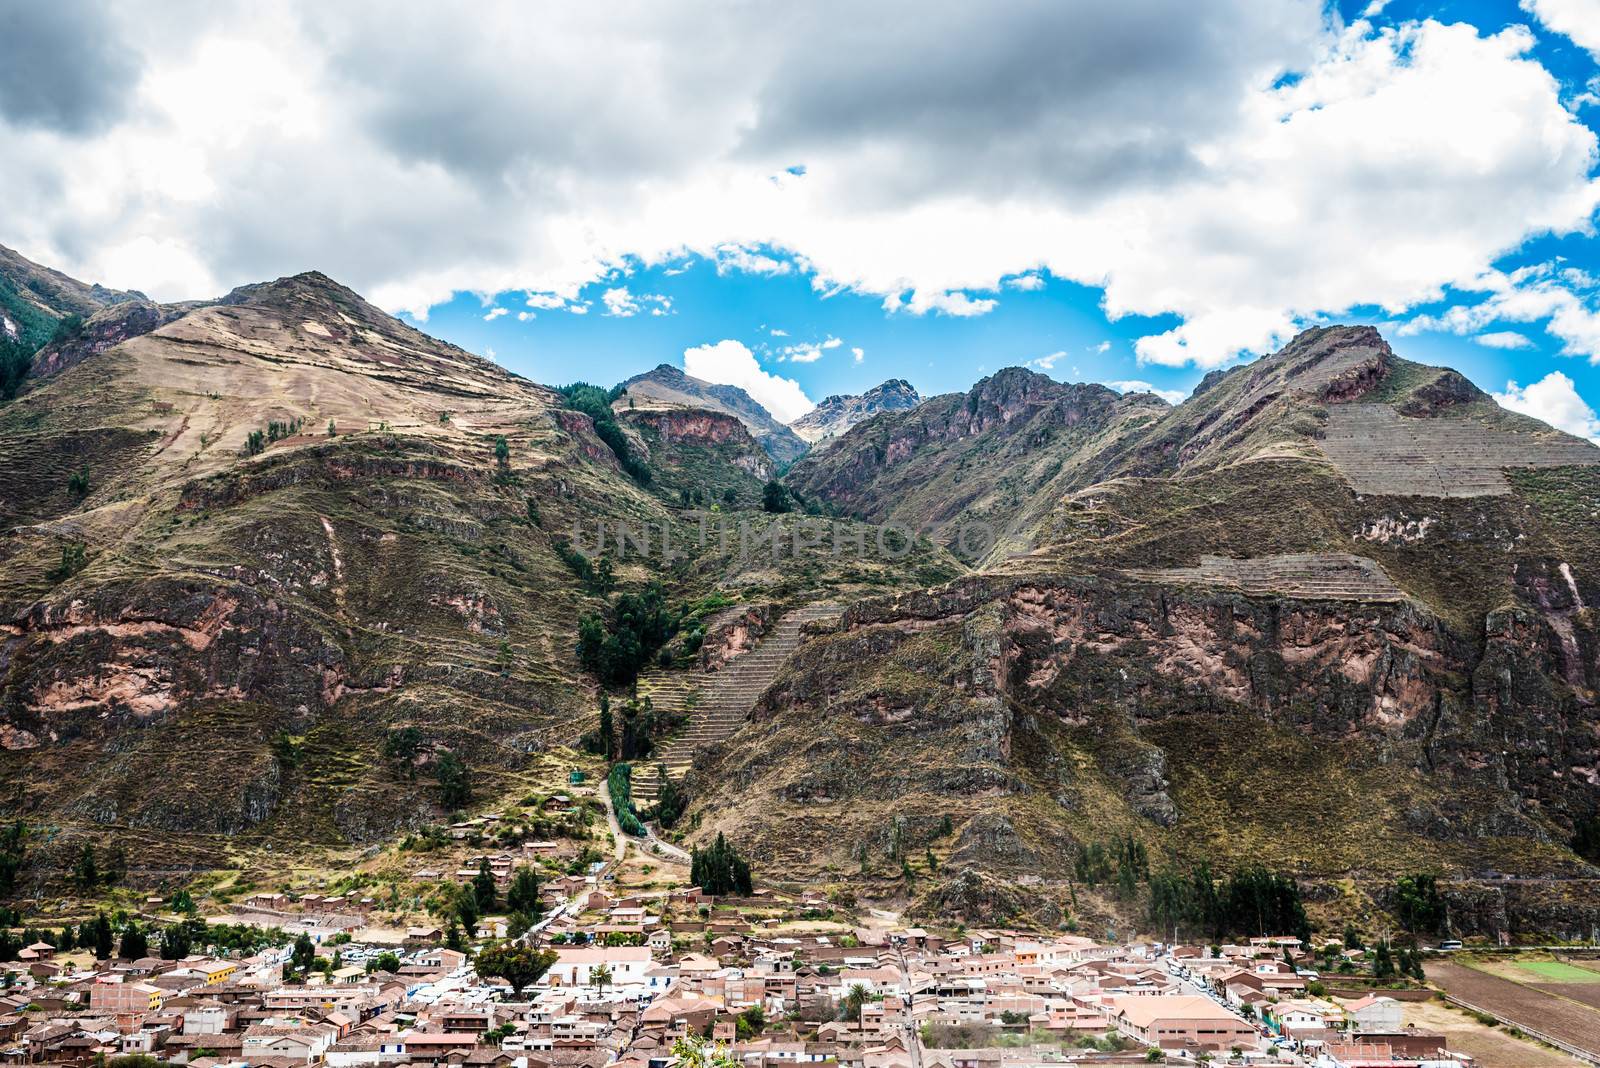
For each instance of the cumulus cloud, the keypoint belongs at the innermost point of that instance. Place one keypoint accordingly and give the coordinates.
(1171, 396)
(858, 354)
(1030, 281)
(1150, 149)
(493, 314)
(1046, 363)
(1554, 399)
(1577, 19)
(619, 302)
(731, 363)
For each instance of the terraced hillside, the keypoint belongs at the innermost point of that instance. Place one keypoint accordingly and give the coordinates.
(1379, 450)
(717, 703)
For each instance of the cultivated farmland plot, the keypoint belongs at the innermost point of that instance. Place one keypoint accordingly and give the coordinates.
(1530, 1005)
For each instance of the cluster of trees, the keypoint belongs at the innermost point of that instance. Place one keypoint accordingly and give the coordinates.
(595, 402)
(614, 646)
(88, 872)
(78, 482)
(74, 558)
(1124, 862)
(642, 725)
(1390, 963)
(455, 781)
(671, 801)
(775, 498)
(257, 440)
(620, 785)
(596, 577)
(1253, 901)
(402, 745)
(1417, 903)
(13, 851)
(16, 357)
(719, 869)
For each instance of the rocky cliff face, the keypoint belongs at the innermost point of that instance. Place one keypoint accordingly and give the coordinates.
(840, 412)
(702, 452)
(1042, 713)
(668, 386)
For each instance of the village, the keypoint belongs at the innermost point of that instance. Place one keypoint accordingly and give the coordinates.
(629, 963)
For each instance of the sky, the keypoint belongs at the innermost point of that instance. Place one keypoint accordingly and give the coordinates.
(808, 199)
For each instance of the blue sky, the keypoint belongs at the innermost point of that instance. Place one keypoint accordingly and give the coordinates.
(1129, 192)
(1055, 326)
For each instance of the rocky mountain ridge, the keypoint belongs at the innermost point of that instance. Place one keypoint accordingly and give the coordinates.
(839, 412)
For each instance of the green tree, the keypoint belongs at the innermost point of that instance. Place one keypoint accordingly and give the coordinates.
(467, 912)
(1418, 904)
(600, 976)
(85, 872)
(719, 869)
(13, 850)
(387, 962)
(304, 954)
(134, 943)
(455, 782)
(775, 498)
(100, 933)
(483, 892)
(522, 895)
(518, 964)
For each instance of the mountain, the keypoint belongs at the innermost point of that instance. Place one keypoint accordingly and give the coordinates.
(247, 547)
(1331, 615)
(840, 412)
(991, 455)
(668, 387)
(34, 299)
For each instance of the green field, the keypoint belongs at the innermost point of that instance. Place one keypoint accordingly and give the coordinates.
(1556, 972)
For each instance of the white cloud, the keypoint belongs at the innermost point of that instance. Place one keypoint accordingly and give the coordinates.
(1153, 152)
(1029, 281)
(1171, 396)
(1555, 400)
(753, 261)
(730, 363)
(1504, 339)
(953, 302)
(1046, 363)
(619, 302)
(524, 316)
(494, 313)
(1577, 19)
(1101, 349)
(802, 354)
(859, 354)
(546, 301)
(775, 332)
(1565, 300)
(832, 343)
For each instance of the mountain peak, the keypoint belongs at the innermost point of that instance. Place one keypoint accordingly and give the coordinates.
(838, 413)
